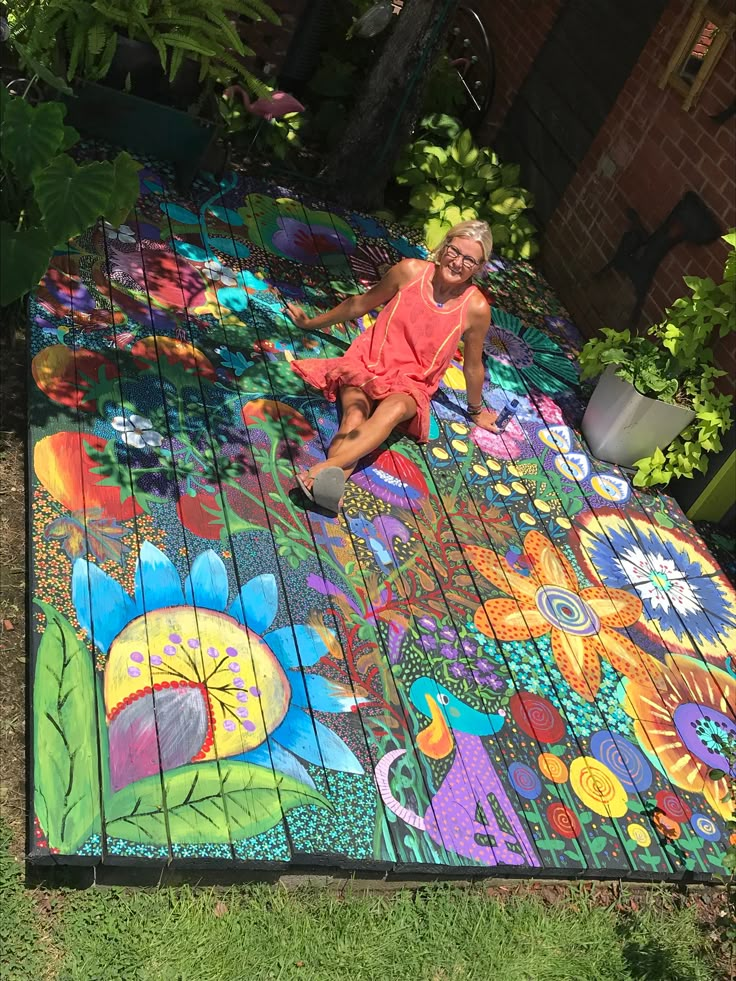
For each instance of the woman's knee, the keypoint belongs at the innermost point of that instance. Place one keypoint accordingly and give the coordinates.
(399, 408)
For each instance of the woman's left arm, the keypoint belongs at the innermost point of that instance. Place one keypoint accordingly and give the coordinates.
(479, 321)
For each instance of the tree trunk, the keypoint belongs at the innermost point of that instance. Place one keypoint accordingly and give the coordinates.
(382, 119)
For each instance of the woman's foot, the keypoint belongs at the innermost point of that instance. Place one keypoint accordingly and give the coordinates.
(324, 483)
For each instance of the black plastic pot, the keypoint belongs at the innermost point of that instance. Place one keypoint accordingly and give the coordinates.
(147, 127)
(136, 68)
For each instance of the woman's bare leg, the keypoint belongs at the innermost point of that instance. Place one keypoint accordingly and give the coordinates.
(368, 436)
(355, 409)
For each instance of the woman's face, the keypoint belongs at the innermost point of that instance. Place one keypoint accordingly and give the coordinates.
(459, 259)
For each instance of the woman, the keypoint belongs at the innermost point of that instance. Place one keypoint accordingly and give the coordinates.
(388, 375)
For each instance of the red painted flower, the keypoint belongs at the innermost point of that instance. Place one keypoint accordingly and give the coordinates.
(64, 467)
(149, 350)
(295, 426)
(673, 806)
(563, 821)
(202, 515)
(393, 478)
(66, 376)
(537, 717)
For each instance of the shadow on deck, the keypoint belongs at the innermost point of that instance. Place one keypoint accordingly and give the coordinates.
(501, 659)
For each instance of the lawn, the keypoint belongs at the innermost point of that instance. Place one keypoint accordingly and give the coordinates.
(443, 933)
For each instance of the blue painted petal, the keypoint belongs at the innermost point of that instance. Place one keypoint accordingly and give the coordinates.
(298, 646)
(157, 583)
(279, 759)
(257, 603)
(206, 586)
(102, 605)
(321, 694)
(315, 743)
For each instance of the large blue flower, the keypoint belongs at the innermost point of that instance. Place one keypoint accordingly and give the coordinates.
(192, 675)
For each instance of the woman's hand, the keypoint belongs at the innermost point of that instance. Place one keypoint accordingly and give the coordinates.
(486, 420)
(298, 315)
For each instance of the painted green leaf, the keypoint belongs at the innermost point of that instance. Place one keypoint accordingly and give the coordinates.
(206, 803)
(24, 258)
(71, 197)
(598, 844)
(65, 777)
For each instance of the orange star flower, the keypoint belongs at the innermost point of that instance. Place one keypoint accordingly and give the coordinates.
(579, 621)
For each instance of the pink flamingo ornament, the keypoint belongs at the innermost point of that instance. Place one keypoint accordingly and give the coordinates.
(277, 105)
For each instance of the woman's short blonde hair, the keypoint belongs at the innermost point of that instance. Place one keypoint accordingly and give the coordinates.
(475, 231)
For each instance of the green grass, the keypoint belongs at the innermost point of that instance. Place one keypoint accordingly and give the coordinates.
(260, 933)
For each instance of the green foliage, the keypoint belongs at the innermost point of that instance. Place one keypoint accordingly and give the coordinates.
(207, 802)
(79, 38)
(277, 139)
(65, 778)
(449, 179)
(673, 362)
(47, 198)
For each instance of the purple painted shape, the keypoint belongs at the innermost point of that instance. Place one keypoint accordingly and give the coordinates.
(451, 819)
(327, 588)
(144, 740)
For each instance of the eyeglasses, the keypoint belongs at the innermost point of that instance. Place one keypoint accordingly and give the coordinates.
(468, 261)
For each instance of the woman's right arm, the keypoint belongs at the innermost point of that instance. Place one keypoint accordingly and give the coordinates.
(360, 304)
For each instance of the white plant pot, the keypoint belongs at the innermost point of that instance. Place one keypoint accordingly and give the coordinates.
(621, 425)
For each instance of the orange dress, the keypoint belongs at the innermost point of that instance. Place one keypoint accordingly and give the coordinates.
(407, 350)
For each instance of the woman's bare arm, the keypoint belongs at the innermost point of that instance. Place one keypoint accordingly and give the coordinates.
(360, 304)
(479, 320)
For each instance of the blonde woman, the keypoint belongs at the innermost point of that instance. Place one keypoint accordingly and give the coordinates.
(388, 375)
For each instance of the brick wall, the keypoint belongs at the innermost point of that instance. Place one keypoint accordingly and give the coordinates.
(516, 31)
(647, 154)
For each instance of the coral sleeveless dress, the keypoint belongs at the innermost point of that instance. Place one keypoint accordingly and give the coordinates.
(407, 350)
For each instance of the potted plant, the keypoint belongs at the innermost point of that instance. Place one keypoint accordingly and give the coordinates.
(655, 407)
(147, 73)
(46, 198)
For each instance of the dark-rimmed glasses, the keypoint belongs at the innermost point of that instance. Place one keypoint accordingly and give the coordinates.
(453, 253)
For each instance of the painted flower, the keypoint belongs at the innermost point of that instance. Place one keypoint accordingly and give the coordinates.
(136, 431)
(705, 827)
(217, 273)
(623, 759)
(553, 768)
(597, 787)
(520, 357)
(666, 827)
(639, 834)
(525, 781)
(177, 354)
(515, 441)
(563, 820)
(687, 727)
(69, 377)
(537, 717)
(683, 592)
(287, 228)
(673, 806)
(65, 467)
(370, 263)
(580, 622)
(192, 675)
(393, 478)
(123, 233)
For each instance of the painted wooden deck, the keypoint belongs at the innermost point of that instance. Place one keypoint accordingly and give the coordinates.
(501, 658)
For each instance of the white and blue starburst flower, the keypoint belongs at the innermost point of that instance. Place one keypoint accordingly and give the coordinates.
(193, 674)
(678, 587)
